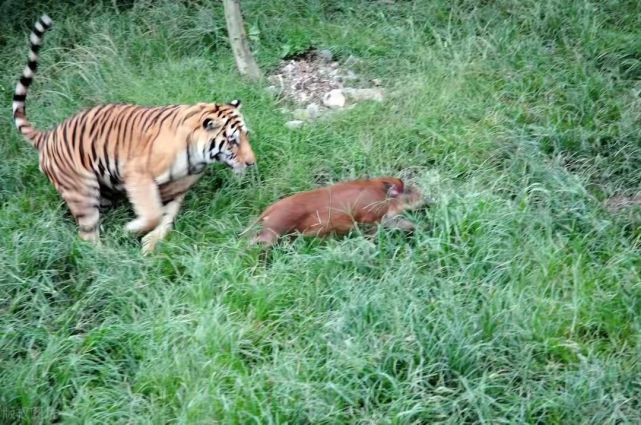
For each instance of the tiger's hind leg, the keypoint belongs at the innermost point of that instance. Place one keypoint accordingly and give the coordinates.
(109, 197)
(83, 202)
(170, 211)
(143, 194)
(105, 202)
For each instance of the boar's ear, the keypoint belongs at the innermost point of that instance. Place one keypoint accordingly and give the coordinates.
(392, 190)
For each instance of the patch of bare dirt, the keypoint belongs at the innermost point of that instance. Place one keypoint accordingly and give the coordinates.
(308, 77)
(620, 202)
(317, 83)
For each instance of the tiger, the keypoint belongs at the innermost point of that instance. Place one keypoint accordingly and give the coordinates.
(152, 155)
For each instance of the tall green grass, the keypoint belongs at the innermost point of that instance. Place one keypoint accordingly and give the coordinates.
(515, 301)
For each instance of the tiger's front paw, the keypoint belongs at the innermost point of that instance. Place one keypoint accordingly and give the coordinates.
(142, 225)
(151, 239)
(149, 242)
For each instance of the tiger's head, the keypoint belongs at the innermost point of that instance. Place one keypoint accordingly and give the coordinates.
(224, 136)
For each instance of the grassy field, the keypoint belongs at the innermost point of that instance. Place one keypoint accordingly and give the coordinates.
(517, 300)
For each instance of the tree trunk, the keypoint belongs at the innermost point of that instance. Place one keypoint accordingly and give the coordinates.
(238, 39)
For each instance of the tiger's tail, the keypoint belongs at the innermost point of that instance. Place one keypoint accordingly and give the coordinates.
(20, 95)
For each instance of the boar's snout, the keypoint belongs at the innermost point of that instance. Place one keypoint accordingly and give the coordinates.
(412, 198)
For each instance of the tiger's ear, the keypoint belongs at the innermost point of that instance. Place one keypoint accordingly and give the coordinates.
(392, 190)
(235, 103)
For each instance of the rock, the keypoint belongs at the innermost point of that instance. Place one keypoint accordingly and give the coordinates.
(294, 124)
(351, 60)
(364, 94)
(313, 110)
(621, 202)
(334, 99)
(273, 90)
(301, 114)
(350, 75)
(325, 55)
(289, 68)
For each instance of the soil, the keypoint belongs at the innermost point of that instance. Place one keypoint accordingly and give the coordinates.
(308, 77)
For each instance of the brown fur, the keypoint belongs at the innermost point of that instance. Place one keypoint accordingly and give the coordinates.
(338, 208)
(153, 154)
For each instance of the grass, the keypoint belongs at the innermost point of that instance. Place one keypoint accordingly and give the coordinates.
(516, 300)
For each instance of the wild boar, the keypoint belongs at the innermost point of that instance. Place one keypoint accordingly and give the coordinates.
(338, 208)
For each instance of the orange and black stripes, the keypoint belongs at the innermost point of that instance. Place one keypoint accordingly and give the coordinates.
(20, 94)
(101, 140)
(153, 154)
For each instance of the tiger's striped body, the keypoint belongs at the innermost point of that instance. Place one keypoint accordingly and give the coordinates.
(152, 154)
